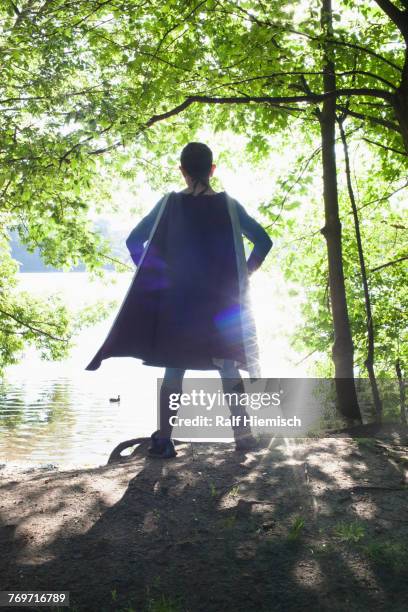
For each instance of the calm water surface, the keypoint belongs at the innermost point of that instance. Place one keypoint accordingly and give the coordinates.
(59, 413)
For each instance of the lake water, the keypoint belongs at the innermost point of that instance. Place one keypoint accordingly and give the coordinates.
(56, 412)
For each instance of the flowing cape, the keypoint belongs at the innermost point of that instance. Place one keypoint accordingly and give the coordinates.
(188, 303)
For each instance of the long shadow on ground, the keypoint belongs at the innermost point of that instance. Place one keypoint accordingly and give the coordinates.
(306, 524)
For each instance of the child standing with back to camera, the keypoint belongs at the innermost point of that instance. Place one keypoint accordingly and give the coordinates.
(187, 307)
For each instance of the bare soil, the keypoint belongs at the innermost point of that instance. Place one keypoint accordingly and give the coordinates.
(295, 525)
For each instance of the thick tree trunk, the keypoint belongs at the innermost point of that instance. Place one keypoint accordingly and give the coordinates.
(401, 103)
(369, 362)
(343, 349)
(401, 384)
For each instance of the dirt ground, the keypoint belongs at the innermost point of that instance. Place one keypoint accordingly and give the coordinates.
(316, 525)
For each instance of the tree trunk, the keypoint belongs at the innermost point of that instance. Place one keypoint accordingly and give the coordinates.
(343, 349)
(401, 384)
(369, 362)
(401, 103)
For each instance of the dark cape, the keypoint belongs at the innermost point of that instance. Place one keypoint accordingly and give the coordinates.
(187, 305)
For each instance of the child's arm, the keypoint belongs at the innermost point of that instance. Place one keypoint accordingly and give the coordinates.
(140, 234)
(257, 235)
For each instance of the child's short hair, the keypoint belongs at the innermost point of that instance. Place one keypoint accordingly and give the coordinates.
(196, 159)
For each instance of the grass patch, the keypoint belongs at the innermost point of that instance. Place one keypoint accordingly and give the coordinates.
(213, 490)
(233, 492)
(296, 529)
(164, 604)
(349, 532)
(388, 554)
(229, 522)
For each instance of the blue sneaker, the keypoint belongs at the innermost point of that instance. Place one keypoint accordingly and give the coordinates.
(168, 451)
(154, 447)
(161, 447)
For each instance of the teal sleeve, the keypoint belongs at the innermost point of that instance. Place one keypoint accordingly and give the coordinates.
(257, 235)
(140, 234)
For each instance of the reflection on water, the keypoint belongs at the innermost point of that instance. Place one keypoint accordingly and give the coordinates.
(67, 420)
(30, 415)
(59, 413)
(51, 405)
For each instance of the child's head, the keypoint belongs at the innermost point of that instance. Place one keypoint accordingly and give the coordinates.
(196, 164)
